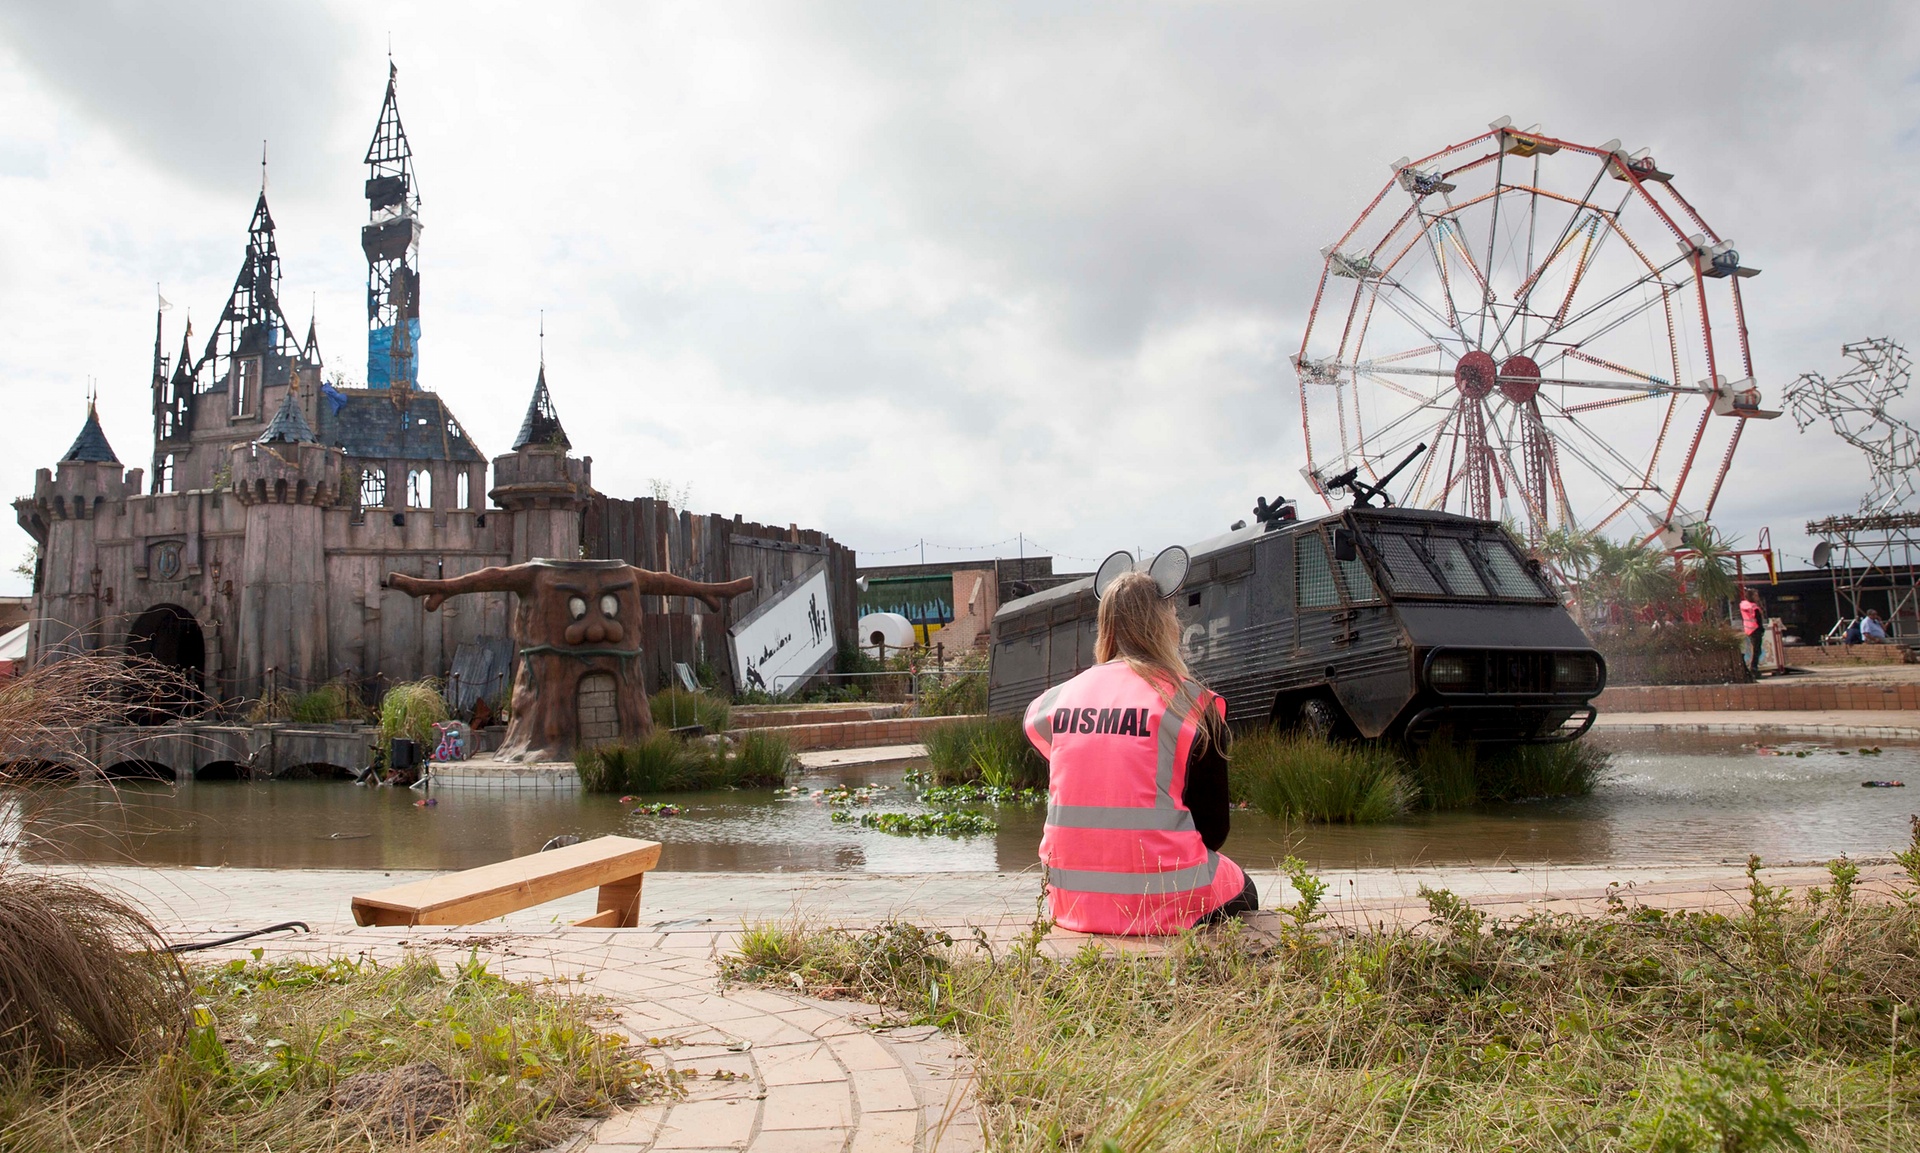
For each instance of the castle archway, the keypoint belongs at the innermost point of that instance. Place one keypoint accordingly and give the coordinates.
(168, 635)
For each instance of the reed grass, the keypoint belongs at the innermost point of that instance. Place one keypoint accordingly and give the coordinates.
(1298, 777)
(1792, 1023)
(664, 763)
(992, 751)
(677, 708)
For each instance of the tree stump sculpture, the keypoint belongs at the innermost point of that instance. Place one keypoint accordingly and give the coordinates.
(576, 626)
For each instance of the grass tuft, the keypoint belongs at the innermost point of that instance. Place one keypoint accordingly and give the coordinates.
(677, 708)
(663, 763)
(410, 710)
(1296, 777)
(992, 751)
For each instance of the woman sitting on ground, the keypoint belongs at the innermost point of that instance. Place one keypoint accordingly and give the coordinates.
(1137, 784)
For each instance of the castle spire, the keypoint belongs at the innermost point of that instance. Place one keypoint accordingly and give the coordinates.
(289, 425)
(391, 241)
(91, 446)
(542, 424)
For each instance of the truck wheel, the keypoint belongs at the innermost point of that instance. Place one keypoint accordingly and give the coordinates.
(1320, 717)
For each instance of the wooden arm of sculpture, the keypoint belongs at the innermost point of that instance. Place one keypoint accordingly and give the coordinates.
(663, 584)
(510, 579)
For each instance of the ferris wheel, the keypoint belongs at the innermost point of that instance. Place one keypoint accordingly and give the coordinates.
(1553, 321)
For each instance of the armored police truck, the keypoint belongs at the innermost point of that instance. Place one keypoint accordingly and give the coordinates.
(1374, 622)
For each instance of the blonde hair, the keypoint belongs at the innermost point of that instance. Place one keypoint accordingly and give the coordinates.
(1137, 625)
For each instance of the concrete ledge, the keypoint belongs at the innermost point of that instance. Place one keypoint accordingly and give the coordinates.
(1766, 696)
(860, 734)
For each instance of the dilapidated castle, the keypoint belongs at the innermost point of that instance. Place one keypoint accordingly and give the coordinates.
(250, 552)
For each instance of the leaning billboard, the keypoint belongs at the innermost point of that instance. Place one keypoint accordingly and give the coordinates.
(778, 645)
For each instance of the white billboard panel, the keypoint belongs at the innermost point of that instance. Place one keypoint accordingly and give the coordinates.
(783, 642)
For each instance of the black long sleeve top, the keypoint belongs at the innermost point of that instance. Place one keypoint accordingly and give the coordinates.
(1206, 793)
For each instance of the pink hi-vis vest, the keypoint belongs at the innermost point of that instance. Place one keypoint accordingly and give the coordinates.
(1120, 849)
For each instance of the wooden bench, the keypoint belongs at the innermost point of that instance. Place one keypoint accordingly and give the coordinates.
(616, 864)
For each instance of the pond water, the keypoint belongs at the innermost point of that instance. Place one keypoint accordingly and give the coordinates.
(1667, 798)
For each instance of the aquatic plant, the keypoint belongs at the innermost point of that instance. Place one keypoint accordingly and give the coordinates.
(1527, 772)
(664, 763)
(1445, 770)
(1299, 777)
(951, 823)
(985, 750)
(677, 708)
(410, 710)
(760, 761)
(982, 795)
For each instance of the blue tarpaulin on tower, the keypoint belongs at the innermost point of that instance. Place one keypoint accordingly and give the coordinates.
(380, 356)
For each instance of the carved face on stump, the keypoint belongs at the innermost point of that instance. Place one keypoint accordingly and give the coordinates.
(577, 631)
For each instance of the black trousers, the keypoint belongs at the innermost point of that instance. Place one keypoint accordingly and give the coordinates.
(1247, 902)
(1753, 650)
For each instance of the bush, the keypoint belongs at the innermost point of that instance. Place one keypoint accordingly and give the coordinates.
(959, 693)
(1446, 774)
(985, 750)
(674, 708)
(1296, 777)
(411, 710)
(1707, 653)
(663, 763)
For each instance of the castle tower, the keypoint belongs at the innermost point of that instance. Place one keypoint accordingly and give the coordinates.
(541, 484)
(72, 605)
(391, 241)
(286, 479)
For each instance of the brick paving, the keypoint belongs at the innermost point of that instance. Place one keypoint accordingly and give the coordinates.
(761, 1070)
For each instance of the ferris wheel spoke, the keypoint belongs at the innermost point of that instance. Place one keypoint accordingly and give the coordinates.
(1525, 295)
(1416, 298)
(1644, 306)
(1653, 277)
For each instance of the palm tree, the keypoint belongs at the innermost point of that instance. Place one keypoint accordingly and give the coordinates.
(1710, 568)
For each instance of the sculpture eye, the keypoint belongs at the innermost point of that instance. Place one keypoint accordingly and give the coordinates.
(576, 607)
(610, 605)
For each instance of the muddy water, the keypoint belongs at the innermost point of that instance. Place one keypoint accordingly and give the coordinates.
(1668, 798)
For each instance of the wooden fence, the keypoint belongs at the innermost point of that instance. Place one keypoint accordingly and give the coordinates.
(654, 535)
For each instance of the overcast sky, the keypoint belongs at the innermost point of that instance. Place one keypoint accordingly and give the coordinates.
(901, 271)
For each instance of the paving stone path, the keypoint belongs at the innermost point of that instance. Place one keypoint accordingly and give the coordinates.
(762, 1070)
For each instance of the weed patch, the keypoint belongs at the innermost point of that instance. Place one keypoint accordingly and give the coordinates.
(272, 1046)
(991, 751)
(663, 763)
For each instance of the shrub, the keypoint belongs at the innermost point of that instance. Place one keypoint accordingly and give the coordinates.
(958, 693)
(990, 751)
(1296, 777)
(410, 710)
(674, 708)
(1707, 653)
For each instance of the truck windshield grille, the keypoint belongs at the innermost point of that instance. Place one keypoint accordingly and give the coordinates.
(1469, 568)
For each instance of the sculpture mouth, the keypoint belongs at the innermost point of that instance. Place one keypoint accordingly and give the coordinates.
(578, 651)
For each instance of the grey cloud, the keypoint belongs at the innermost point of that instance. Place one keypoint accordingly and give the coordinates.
(194, 86)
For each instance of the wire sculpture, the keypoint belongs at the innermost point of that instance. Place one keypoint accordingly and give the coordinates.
(1855, 404)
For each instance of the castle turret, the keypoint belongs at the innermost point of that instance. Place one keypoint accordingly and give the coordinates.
(286, 479)
(71, 602)
(541, 484)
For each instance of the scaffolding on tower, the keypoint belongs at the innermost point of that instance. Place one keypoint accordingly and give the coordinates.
(391, 241)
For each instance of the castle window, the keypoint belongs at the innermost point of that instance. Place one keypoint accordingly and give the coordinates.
(453, 430)
(166, 473)
(373, 488)
(419, 488)
(463, 490)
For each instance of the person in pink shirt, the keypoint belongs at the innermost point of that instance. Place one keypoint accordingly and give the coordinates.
(1750, 621)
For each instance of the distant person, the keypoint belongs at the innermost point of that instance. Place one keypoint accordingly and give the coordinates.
(1750, 618)
(1872, 630)
(1137, 789)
